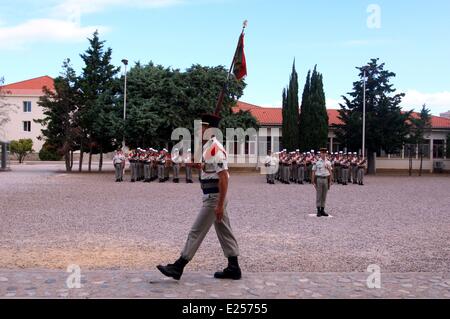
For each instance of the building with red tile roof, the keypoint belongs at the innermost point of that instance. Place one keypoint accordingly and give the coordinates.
(436, 139)
(22, 98)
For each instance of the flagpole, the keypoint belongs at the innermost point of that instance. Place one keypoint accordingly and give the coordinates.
(224, 88)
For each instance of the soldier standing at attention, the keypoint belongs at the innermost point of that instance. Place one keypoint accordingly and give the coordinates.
(168, 165)
(132, 157)
(176, 160)
(269, 163)
(187, 161)
(214, 183)
(301, 169)
(321, 179)
(161, 160)
(118, 161)
(361, 170)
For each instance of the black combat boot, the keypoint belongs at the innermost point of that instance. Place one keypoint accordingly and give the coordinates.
(174, 270)
(322, 212)
(176, 180)
(233, 271)
(319, 212)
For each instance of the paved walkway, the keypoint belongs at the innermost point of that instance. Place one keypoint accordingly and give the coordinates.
(130, 284)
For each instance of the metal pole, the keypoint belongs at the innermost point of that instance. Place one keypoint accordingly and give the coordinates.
(364, 117)
(124, 102)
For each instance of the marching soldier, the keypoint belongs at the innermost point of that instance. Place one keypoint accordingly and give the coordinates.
(119, 162)
(321, 176)
(214, 178)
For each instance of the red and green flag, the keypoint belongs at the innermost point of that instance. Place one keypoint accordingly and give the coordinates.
(240, 64)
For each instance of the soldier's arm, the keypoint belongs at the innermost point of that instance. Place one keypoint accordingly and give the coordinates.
(223, 189)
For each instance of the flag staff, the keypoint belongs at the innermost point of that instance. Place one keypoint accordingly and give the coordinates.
(225, 86)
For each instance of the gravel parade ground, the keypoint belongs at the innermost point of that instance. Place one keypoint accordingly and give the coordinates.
(50, 219)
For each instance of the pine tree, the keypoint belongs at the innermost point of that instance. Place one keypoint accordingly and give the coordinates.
(98, 86)
(60, 107)
(386, 124)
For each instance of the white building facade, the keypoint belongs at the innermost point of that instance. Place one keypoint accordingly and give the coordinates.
(22, 100)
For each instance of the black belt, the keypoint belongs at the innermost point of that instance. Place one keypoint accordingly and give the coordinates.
(209, 186)
(211, 190)
(322, 176)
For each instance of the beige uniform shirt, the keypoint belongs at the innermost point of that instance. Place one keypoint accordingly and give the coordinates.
(322, 168)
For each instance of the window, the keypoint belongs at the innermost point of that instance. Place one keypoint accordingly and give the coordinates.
(438, 149)
(27, 106)
(27, 126)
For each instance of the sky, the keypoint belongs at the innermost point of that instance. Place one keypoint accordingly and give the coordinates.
(411, 37)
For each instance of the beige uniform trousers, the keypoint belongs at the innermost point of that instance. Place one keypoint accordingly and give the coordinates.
(203, 223)
(321, 191)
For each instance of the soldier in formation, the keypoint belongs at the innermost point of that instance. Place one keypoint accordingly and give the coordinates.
(296, 167)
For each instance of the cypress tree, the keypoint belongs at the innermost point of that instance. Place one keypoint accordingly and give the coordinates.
(291, 113)
(305, 122)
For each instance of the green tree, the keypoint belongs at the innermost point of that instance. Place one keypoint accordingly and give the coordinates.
(306, 125)
(313, 124)
(319, 116)
(21, 148)
(49, 152)
(291, 113)
(98, 84)
(386, 124)
(420, 124)
(161, 99)
(61, 120)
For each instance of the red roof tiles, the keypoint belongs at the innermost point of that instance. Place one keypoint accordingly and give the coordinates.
(29, 87)
(273, 116)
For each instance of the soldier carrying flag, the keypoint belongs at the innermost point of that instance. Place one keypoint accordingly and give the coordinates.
(214, 178)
